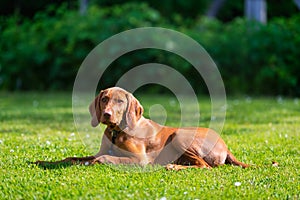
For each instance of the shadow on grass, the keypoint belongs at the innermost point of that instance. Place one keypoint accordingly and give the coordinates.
(120, 167)
(52, 165)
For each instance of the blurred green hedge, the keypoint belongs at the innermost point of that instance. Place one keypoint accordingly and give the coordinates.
(46, 52)
(254, 58)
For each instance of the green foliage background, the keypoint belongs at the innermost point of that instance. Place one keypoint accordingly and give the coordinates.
(45, 51)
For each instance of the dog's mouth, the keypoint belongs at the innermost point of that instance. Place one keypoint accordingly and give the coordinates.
(113, 125)
(110, 124)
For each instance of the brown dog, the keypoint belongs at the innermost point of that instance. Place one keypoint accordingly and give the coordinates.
(132, 139)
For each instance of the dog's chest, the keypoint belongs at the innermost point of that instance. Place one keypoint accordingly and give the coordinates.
(121, 144)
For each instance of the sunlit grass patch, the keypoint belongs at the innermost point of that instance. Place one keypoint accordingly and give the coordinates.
(37, 126)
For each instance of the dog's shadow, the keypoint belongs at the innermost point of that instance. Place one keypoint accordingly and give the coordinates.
(120, 168)
(51, 165)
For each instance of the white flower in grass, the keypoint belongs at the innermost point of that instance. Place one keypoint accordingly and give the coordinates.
(64, 150)
(72, 134)
(185, 193)
(11, 151)
(237, 184)
(248, 100)
(1, 141)
(48, 142)
(275, 164)
(86, 163)
(35, 103)
(163, 198)
(279, 100)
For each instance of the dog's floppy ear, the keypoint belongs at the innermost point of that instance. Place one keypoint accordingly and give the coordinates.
(95, 110)
(134, 111)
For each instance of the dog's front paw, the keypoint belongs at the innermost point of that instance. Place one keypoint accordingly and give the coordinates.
(40, 163)
(172, 167)
(98, 160)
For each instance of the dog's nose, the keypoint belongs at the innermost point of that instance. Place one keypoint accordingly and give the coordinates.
(107, 114)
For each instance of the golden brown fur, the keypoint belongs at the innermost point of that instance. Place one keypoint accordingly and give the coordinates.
(132, 139)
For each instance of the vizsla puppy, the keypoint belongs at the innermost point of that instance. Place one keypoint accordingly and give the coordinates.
(132, 139)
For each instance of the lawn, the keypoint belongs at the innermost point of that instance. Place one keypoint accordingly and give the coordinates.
(36, 126)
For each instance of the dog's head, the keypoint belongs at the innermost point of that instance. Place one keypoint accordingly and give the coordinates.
(115, 107)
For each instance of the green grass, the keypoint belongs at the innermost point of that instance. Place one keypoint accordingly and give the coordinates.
(37, 126)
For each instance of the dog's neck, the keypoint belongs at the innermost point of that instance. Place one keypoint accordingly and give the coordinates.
(115, 134)
(115, 131)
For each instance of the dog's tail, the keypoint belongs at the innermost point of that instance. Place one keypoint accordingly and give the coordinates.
(230, 159)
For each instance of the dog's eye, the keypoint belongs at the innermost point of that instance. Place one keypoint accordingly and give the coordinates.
(120, 101)
(104, 100)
